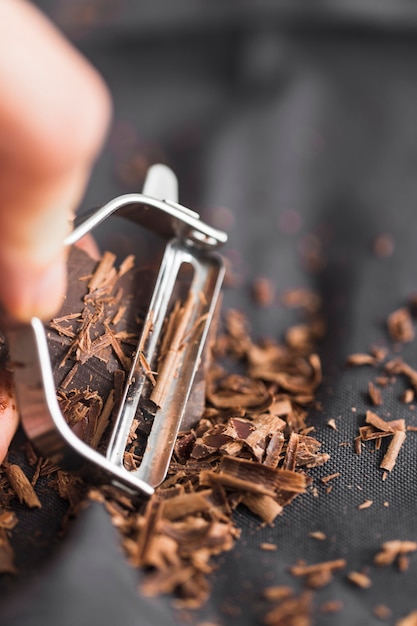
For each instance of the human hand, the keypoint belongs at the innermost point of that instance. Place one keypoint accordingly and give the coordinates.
(54, 113)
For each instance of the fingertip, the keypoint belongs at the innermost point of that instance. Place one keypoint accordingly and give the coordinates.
(31, 292)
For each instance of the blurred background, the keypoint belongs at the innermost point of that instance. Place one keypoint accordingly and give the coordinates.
(290, 125)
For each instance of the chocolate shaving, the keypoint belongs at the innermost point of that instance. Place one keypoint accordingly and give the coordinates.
(400, 325)
(394, 447)
(391, 551)
(359, 579)
(331, 606)
(174, 343)
(375, 394)
(302, 298)
(264, 506)
(377, 429)
(317, 534)
(238, 391)
(304, 381)
(7, 565)
(379, 423)
(382, 612)
(291, 611)
(361, 359)
(261, 475)
(365, 504)
(291, 452)
(398, 366)
(21, 485)
(408, 396)
(319, 574)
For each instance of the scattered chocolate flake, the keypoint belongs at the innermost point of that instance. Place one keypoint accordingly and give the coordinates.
(376, 429)
(8, 519)
(267, 508)
(303, 298)
(319, 574)
(389, 427)
(375, 394)
(278, 592)
(7, 565)
(394, 550)
(370, 432)
(359, 579)
(365, 505)
(332, 423)
(361, 359)
(400, 325)
(327, 479)
(268, 547)
(398, 366)
(331, 606)
(382, 612)
(382, 381)
(291, 611)
(408, 396)
(248, 445)
(403, 563)
(21, 485)
(247, 449)
(263, 291)
(317, 534)
(302, 337)
(380, 353)
(394, 447)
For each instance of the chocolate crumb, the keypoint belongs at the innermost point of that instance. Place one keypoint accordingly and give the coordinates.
(359, 579)
(318, 534)
(375, 394)
(269, 547)
(382, 611)
(331, 606)
(392, 550)
(291, 610)
(408, 396)
(319, 574)
(365, 505)
(263, 291)
(21, 485)
(400, 325)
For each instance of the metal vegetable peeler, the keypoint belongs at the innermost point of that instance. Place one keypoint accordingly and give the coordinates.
(190, 241)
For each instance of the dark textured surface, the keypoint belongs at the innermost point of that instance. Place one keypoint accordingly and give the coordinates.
(264, 119)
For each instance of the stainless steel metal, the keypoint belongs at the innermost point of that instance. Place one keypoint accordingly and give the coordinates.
(162, 215)
(207, 276)
(191, 243)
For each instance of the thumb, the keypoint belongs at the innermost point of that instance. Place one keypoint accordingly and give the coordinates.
(54, 113)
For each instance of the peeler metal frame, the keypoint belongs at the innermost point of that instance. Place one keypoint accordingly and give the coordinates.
(190, 241)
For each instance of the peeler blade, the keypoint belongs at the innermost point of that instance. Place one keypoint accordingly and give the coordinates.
(170, 345)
